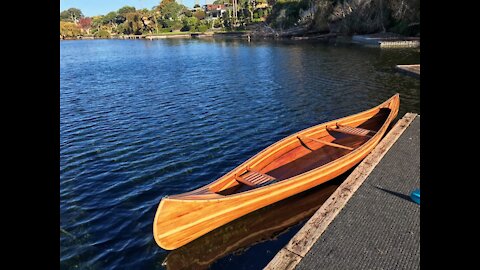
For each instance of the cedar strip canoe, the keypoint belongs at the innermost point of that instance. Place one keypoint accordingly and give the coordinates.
(294, 164)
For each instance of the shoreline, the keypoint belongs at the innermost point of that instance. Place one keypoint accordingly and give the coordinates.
(380, 40)
(168, 35)
(248, 34)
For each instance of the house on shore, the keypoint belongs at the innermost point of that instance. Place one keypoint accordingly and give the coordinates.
(215, 11)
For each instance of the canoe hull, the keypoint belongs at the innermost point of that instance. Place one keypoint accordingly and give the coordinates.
(179, 221)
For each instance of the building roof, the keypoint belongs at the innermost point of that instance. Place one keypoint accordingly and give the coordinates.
(215, 7)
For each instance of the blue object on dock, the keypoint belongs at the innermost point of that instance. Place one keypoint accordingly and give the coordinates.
(416, 195)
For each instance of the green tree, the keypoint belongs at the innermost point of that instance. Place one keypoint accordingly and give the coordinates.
(121, 15)
(133, 24)
(102, 34)
(174, 25)
(112, 19)
(97, 22)
(169, 9)
(149, 18)
(189, 24)
(64, 16)
(249, 6)
(227, 19)
(199, 14)
(71, 15)
(126, 9)
(187, 12)
(202, 28)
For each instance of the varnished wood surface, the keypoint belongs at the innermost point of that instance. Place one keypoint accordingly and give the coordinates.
(184, 217)
(254, 178)
(325, 142)
(353, 131)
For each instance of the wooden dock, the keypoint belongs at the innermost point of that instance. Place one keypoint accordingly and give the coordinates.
(387, 40)
(369, 226)
(411, 70)
(399, 44)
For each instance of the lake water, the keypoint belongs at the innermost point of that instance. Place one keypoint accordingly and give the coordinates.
(143, 119)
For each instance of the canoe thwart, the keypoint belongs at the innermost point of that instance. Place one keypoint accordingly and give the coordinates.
(326, 142)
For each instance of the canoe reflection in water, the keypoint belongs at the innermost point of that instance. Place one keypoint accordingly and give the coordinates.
(259, 226)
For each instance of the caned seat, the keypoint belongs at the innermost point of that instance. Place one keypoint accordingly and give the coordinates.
(253, 178)
(352, 130)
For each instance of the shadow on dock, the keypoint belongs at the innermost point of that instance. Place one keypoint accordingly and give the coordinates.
(400, 195)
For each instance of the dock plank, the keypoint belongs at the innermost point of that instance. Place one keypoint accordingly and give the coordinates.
(287, 260)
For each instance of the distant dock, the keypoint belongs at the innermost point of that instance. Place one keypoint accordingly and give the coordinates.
(369, 222)
(412, 70)
(387, 40)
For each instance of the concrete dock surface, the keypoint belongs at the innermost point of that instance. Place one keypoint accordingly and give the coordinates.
(412, 70)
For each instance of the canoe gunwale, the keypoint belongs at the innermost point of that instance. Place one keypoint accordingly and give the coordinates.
(252, 162)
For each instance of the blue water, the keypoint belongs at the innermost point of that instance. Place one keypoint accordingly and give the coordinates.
(142, 119)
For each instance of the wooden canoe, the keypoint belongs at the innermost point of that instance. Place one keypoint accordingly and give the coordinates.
(294, 164)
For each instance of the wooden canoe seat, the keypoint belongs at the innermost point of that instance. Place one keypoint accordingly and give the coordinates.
(253, 178)
(353, 130)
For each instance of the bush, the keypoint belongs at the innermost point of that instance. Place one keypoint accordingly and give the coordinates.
(217, 24)
(258, 13)
(202, 28)
(175, 25)
(186, 28)
(165, 30)
(102, 34)
(286, 14)
(403, 28)
(69, 29)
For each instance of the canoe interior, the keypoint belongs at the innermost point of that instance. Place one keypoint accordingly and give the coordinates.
(305, 155)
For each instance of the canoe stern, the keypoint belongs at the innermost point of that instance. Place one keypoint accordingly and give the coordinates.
(178, 222)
